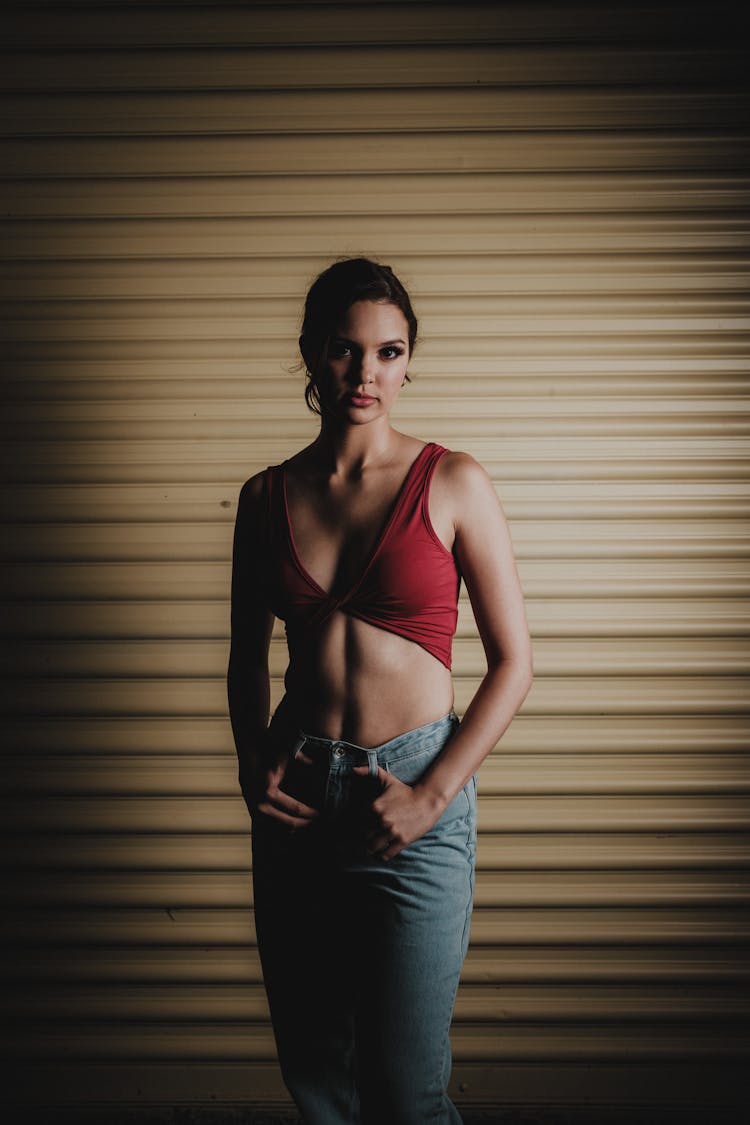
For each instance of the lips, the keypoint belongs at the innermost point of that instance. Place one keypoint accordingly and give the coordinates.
(361, 400)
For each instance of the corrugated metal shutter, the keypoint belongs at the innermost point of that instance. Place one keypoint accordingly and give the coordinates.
(564, 188)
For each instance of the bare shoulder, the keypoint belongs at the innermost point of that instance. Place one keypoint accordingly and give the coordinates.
(462, 470)
(252, 490)
(466, 487)
(253, 487)
(251, 505)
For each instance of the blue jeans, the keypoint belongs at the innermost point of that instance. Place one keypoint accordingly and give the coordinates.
(361, 957)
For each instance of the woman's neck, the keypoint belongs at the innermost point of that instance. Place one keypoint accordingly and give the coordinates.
(347, 451)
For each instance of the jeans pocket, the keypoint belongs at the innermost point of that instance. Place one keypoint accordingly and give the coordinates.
(410, 769)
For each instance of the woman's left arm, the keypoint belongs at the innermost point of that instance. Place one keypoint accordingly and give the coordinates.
(484, 553)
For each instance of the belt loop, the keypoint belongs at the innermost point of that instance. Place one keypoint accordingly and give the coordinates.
(299, 743)
(372, 763)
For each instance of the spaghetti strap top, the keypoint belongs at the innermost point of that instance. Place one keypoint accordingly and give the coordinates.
(408, 586)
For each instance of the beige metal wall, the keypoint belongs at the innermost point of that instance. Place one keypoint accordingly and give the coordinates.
(564, 188)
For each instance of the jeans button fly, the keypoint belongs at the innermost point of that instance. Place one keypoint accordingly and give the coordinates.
(338, 751)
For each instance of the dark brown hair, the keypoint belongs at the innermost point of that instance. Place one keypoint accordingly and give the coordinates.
(332, 293)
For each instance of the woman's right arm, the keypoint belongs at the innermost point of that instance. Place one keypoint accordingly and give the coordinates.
(248, 679)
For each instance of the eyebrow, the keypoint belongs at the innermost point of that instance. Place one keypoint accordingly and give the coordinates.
(384, 343)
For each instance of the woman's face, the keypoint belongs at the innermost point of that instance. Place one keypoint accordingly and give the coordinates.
(367, 362)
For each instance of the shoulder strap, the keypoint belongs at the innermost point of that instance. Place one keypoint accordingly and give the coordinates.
(411, 494)
(432, 454)
(437, 453)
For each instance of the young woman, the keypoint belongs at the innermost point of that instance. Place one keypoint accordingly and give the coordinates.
(362, 791)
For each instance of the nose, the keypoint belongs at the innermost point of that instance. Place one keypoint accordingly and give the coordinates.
(368, 368)
(364, 372)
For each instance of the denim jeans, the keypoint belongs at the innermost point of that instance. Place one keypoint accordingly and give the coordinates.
(361, 957)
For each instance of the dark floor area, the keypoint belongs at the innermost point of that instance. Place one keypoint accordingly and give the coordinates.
(239, 1115)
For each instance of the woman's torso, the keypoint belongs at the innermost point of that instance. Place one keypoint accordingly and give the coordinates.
(348, 678)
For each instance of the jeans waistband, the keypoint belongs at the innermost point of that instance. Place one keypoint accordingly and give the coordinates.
(396, 749)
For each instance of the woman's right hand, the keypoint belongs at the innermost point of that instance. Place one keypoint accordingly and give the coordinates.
(261, 788)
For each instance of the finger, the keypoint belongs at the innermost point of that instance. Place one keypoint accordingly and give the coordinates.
(379, 843)
(275, 813)
(275, 775)
(382, 775)
(384, 844)
(291, 805)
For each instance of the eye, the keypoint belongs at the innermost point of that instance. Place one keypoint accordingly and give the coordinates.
(339, 350)
(391, 352)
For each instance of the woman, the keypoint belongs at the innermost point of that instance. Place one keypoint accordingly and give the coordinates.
(362, 791)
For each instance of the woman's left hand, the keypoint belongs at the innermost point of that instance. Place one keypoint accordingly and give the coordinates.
(402, 814)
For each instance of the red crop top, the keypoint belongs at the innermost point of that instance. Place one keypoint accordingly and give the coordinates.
(409, 586)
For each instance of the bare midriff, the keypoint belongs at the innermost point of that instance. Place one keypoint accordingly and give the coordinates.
(353, 681)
